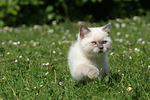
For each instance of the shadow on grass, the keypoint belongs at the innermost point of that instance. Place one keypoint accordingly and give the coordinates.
(110, 80)
(115, 78)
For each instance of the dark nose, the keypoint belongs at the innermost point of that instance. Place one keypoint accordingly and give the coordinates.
(101, 47)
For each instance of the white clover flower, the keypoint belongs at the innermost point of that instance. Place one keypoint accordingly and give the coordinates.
(143, 42)
(136, 49)
(3, 43)
(118, 33)
(127, 35)
(35, 43)
(8, 53)
(124, 51)
(41, 85)
(31, 41)
(119, 20)
(10, 41)
(80, 22)
(130, 57)
(18, 42)
(135, 18)
(60, 42)
(127, 42)
(60, 53)
(6, 28)
(123, 25)
(55, 59)
(50, 30)
(67, 31)
(111, 53)
(54, 52)
(46, 73)
(16, 61)
(28, 59)
(148, 66)
(15, 43)
(117, 25)
(54, 22)
(20, 56)
(120, 40)
(53, 43)
(139, 40)
(36, 26)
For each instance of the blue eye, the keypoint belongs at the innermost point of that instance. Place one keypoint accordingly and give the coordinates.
(93, 42)
(104, 42)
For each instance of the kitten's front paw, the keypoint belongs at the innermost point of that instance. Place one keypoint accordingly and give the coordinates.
(93, 73)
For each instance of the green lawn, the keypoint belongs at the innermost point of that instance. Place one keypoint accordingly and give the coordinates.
(33, 62)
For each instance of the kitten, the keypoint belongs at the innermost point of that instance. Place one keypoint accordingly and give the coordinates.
(87, 58)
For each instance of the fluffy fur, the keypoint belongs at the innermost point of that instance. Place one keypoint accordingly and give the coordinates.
(87, 58)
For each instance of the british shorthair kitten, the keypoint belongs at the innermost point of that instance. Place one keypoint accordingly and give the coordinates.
(87, 58)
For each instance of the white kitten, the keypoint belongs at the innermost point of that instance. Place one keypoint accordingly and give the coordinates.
(87, 58)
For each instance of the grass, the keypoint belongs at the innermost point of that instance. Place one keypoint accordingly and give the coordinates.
(33, 62)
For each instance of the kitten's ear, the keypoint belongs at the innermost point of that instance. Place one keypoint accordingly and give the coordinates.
(106, 28)
(83, 31)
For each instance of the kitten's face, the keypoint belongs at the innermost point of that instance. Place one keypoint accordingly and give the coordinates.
(95, 41)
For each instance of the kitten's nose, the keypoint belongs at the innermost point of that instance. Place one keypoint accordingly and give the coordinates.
(101, 47)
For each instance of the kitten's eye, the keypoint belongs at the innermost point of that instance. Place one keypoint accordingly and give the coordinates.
(104, 42)
(93, 42)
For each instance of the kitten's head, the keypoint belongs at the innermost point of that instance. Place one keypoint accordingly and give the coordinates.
(95, 41)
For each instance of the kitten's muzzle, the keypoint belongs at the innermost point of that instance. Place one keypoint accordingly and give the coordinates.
(101, 49)
(100, 46)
